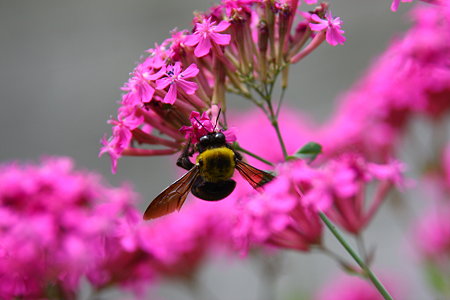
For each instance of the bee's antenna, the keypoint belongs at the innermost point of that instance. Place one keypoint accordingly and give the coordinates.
(201, 124)
(217, 119)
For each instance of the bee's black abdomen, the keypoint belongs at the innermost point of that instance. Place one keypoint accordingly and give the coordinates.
(212, 191)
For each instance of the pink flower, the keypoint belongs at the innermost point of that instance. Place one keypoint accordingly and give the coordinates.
(55, 223)
(396, 3)
(355, 288)
(431, 233)
(338, 189)
(332, 26)
(205, 32)
(177, 81)
(277, 217)
(201, 125)
(170, 252)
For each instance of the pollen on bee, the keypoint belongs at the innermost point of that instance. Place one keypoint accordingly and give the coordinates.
(218, 164)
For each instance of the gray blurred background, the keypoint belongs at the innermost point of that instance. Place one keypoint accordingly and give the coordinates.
(62, 64)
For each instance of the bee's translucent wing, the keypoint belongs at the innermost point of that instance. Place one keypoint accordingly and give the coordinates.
(254, 176)
(173, 197)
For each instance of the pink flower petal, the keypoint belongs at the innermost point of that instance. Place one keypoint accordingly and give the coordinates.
(190, 71)
(163, 83)
(192, 40)
(335, 37)
(220, 39)
(318, 27)
(203, 47)
(171, 95)
(222, 26)
(188, 86)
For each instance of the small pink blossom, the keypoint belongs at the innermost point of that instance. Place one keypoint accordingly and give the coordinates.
(177, 81)
(205, 33)
(202, 125)
(334, 33)
(431, 234)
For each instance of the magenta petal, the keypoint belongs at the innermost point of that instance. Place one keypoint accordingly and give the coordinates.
(222, 26)
(192, 40)
(203, 47)
(318, 27)
(334, 36)
(190, 71)
(316, 18)
(147, 93)
(163, 83)
(220, 39)
(171, 95)
(188, 86)
(395, 4)
(176, 68)
(156, 75)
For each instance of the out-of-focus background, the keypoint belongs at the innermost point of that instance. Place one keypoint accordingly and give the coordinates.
(62, 64)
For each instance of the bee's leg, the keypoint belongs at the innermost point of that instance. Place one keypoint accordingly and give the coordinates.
(183, 161)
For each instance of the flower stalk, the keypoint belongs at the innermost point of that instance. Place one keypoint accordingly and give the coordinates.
(367, 271)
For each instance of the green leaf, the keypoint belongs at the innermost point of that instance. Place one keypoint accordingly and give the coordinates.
(308, 152)
(435, 278)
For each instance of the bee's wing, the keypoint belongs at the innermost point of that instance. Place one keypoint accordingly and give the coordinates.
(172, 197)
(254, 176)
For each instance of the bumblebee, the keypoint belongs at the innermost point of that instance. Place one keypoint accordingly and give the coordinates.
(209, 178)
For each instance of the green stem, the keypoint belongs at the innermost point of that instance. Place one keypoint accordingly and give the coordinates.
(240, 149)
(274, 121)
(367, 272)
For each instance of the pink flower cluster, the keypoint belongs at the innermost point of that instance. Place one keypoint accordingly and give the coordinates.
(411, 78)
(54, 224)
(177, 245)
(59, 225)
(396, 3)
(191, 70)
(285, 215)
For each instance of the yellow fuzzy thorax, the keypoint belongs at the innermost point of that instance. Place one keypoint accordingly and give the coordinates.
(216, 164)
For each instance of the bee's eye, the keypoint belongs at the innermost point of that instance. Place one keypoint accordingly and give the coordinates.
(219, 137)
(205, 140)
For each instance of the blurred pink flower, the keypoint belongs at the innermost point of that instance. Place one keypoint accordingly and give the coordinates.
(54, 223)
(396, 3)
(176, 245)
(411, 78)
(277, 217)
(431, 233)
(354, 288)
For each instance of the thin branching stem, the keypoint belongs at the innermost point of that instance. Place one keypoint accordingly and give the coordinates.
(367, 272)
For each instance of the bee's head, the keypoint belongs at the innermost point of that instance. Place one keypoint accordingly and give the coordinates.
(211, 140)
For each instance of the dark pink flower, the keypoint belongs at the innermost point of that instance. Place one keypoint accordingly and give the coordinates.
(201, 125)
(177, 81)
(334, 33)
(205, 33)
(54, 224)
(338, 189)
(277, 217)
